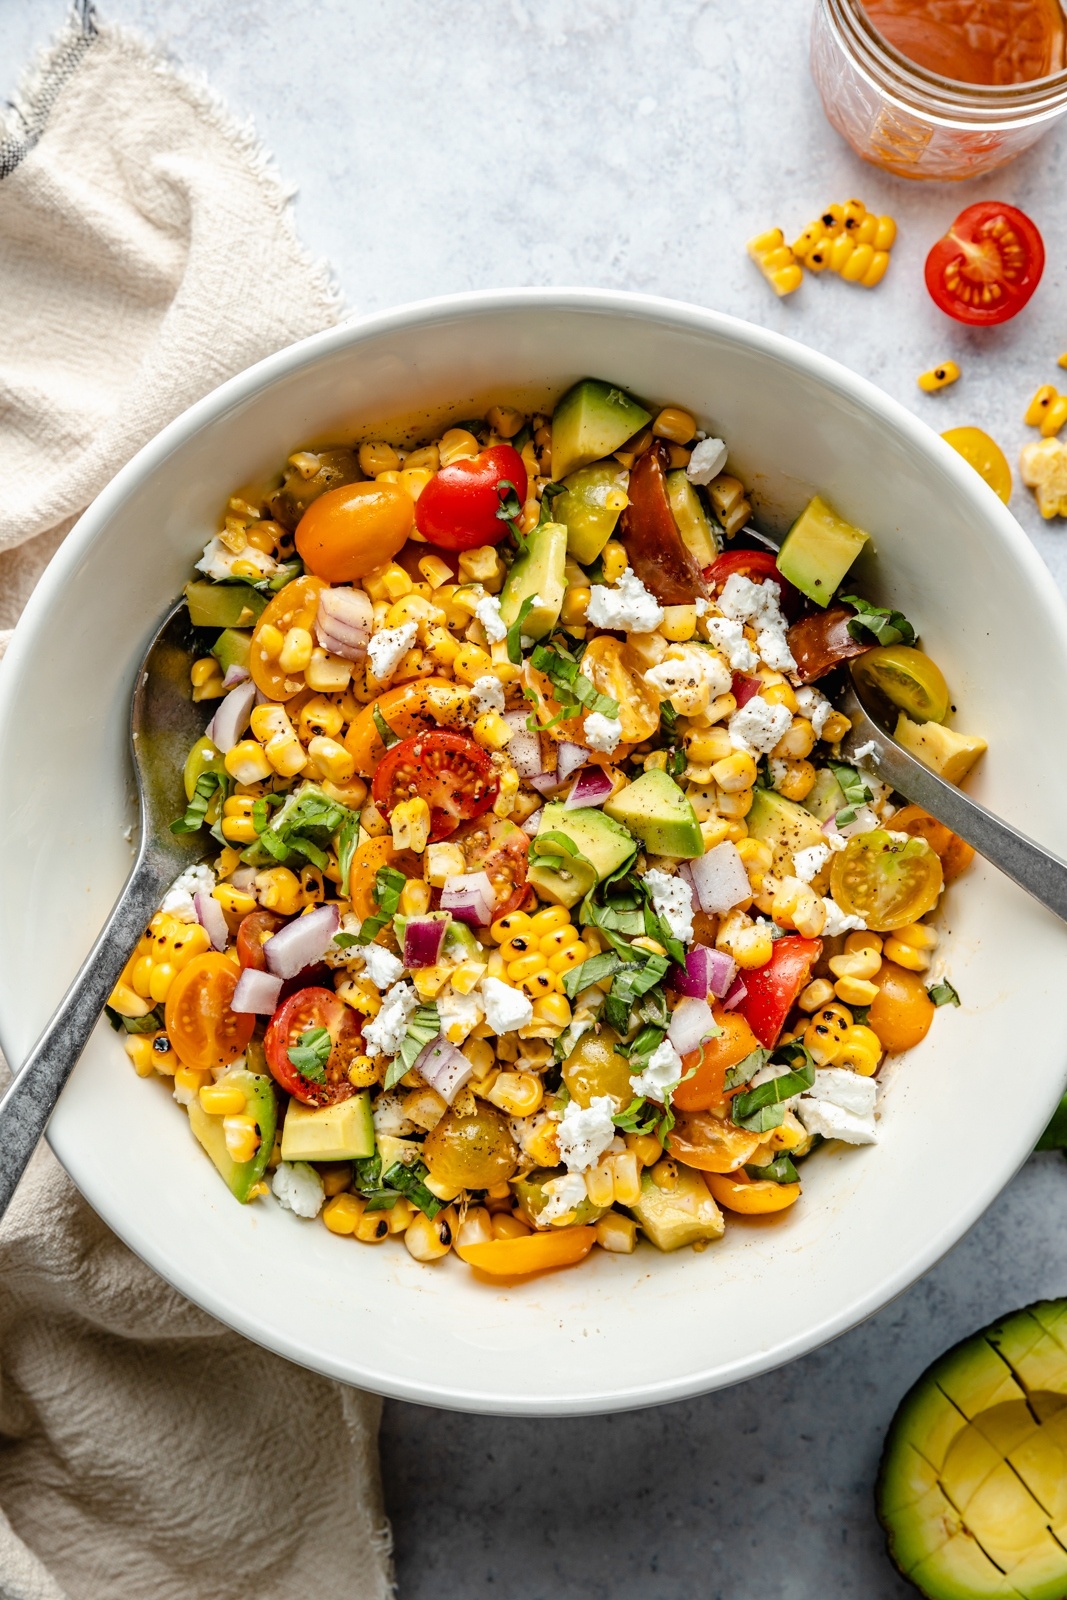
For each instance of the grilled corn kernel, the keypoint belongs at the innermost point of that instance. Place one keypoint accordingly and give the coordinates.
(331, 758)
(552, 943)
(859, 263)
(570, 958)
(525, 966)
(363, 1071)
(429, 1240)
(505, 1225)
(372, 1227)
(547, 921)
(539, 984)
(521, 944)
(1054, 417)
(415, 898)
(517, 1094)
(1039, 406)
(877, 269)
(725, 492)
(816, 995)
(505, 928)
(939, 377)
(272, 727)
(270, 640)
(860, 1051)
(343, 1212)
(410, 825)
(906, 955)
(796, 779)
(188, 1082)
(435, 571)
(825, 1033)
(776, 261)
(885, 234)
(674, 423)
(863, 963)
(457, 444)
(707, 748)
(797, 742)
(246, 762)
(296, 650)
(280, 890)
(614, 561)
(491, 731)
(429, 981)
(735, 772)
(319, 718)
(553, 1009)
(841, 251)
(504, 420)
(575, 605)
(222, 1100)
(855, 991)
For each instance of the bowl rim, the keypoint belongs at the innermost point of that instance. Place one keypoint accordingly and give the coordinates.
(684, 316)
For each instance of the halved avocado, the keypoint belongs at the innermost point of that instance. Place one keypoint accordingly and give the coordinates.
(972, 1490)
(261, 1102)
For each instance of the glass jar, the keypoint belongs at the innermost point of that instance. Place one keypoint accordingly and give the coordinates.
(914, 122)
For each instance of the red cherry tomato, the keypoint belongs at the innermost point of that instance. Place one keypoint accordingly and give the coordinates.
(987, 266)
(314, 1008)
(758, 565)
(773, 989)
(498, 848)
(458, 507)
(449, 771)
(250, 936)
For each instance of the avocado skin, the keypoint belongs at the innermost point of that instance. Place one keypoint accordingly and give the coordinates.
(818, 550)
(785, 826)
(540, 571)
(603, 843)
(262, 1103)
(675, 1217)
(232, 648)
(590, 421)
(657, 812)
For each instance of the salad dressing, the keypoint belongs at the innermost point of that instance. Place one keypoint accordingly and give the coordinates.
(990, 42)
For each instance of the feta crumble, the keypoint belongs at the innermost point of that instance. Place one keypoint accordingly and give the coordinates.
(729, 637)
(849, 1090)
(564, 1194)
(488, 613)
(628, 606)
(758, 726)
(865, 751)
(672, 899)
(838, 921)
(218, 562)
(684, 672)
(808, 863)
(707, 461)
(384, 1034)
(380, 966)
(388, 648)
(459, 1013)
(178, 900)
(298, 1188)
(505, 1008)
(584, 1132)
(757, 603)
(811, 703)
(487, 693)
(601, 732)
(840, 1105)
(662, 1075)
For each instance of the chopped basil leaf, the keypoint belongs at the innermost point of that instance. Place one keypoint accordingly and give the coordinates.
(410, 1182)
(594, 970)
(344, 941)
(196, 811)
(888, 627)
(509, 510)
(760, 1109)
(347, 840)
(850, 782)
(780, 1170)
(151, 1022)
(515, 631)
(423, 1028)
(310, 1056)
(388, 886)
(677, 762)
(385, 732)
(943, 994)
(572, 688)
(668, 720)
(746, 1069)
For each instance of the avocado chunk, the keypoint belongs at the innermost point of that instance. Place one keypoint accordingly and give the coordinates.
(818, 550)
(592, 502)
(683, 1215)
(825, 798)
(592, 420)
(943, 750)
(657, 812)
(530, 1194)
(224, 605)
(693, 522)
(971, 1491)
(261, 1102)
(232, 648)
(539, 572)
(602, 843)
(785, 826)
(341, 1132)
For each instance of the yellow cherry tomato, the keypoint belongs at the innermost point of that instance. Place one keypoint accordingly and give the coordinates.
(535, 1252)
(985, 456)
(370, 857)
(295, 606)
(712, 1144)
(887, 881)
(907, 678)
(347, 532)
(618, 672)
(472, 1150)
(408, 709)
(753, 1196)
(902, 1011)
(594, 1067)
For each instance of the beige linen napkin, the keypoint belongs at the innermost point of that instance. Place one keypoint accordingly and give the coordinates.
(146, 252)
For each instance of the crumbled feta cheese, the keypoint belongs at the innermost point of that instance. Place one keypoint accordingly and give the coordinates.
(700, 606)
(384, 1034)
(683, 673)
(217, 561)
(388, 648)
(298, 1188)
(807, 863)
(838, 921)
(662, 1075)
(729, 637)
(815, 706)
(564, 1194)
(178, 900)
(459, 1013)
(488, 613)
(707, 461)
(672, 899)
(758, 604)
(601, 732)
(834, 1122)
(628, 606)
(505, 1008)
(584, 1132)
(865, 750)
(380, 966)
(849, 1090)
(758, 726)
(389, 1118)
(487, 693)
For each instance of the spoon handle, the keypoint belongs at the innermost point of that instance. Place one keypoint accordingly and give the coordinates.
(30, 1101)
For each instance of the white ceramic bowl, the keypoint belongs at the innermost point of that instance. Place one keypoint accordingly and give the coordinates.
(959, 1114)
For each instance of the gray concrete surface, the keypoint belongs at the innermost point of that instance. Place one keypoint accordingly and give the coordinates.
(637, 144)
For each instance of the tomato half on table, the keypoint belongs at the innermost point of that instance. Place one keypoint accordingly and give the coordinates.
(314, 1008)
(773, 989)
(758, 566)
(251, 936)
(499, 849)
(458, 509)
(203, 1030)
(987, 265)
(888, 881)
(449, 771)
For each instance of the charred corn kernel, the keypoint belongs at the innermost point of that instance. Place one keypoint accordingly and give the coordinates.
(818, 257)
(796, 780)
(858, 264)
(835, 727)
(525, 966)
(674, 423)
(575, 605)
(665, 1175)
(505, 928)
(326, 673)
(272, 727)
(553, 1009)
(617, 1233)
(472, 662)
(825, 1033)
(222, 1100)
(626, 1176)
(203, 670)
(1054, 417)
(444, 861)
(376, 456)
(567, 960)
(312, 885)
(363, 1071)
(246, 762)
(866, 229)
(614, 561)
(855, 991)
(342, 1214)
(906, 955)
(491, 731)
(517, 1094)
(877, 269)
(164, 949)
(806, 241)
(542, 923)
(539, 984)
(552, 943)
(410, 825)
(885, 234)
(750, 943)
(1039, 407)
(398, 1217)
(520, 945)
(429, 1239)
(457, 444)
(860, 1051)
(321, 718)
(939, 377)
(776, 261)
(372, 1227)
(797, 742)
(816, 995)
(415, 898)
(188, 1082)
(138, 1046)
(735, 772)
(854, 211)
(862, 963)
(280, 890)
(841, 252)
(296, 650)
(241, 1135)
(331, 758)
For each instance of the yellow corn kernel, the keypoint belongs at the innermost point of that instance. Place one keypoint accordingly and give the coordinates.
(806, 241)
(542, 923)
(482, 565)
(280, 890)
(725, 493)
(413, 608)
(735, 772)
(428, 1240)
(550, 944)
(796, 780)
(506, 1225)
(398, 1217)
(296, 650)
(213, 689)
(242, 1136)
(246, 762)
(553, 1009)
(1039, 406)
(525, 966)
(818, 257)
(876, 271)
(504, 420)
(860, 1051)
(939, 377)
(270, 640)
(841, 252)
(491, 731)
(472, 662)
(480, 1055)
(468, 975)
(780, 693)
(866, 230)
(906, 955)
(523, 943)
(795, 904)
(863, 963)
(626, 1174)
(704, 748)
(363, 1071)
(138, 1046)
(917, 934)
(816, 995)
(326, 673)
(125, 999)
(539, 984)
(372, 1227)
(410, 825)
(600, 1183)
(272, 727)
(320, 718)
(776, 261)
(859, 264)
(388, 582)
(188, 1081)
(415, 898)
(674, 423)
(440, 646)
(855, 991)
(443, 861)
(517, 1094)
(222, 1100)
(343, 1212)
(429, 981)
(570, 958)
(616, 1233)
(885, 234)
(575, 605)
(505, 928)
(332, 759)
(835, 727)
(1054, 417)
(734, 805)
(797, 742)
(435, 571)
(750, 943)
(824, 1035)
(614, 561)
(645, 1147)
(457, 444)
(376, 457)
(203, 670)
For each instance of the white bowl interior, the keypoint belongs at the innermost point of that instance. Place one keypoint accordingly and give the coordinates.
(959, 1114)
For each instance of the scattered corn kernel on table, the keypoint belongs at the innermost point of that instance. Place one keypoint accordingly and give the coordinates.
(628, 145)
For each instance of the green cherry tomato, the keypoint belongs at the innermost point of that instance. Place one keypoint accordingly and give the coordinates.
(907, 678)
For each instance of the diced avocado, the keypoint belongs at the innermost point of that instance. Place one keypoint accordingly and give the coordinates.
(592, 502)
(532, 1199)
(261, 1102)
(331, 470)
(783, 824)
(657, 812)
(392, 1150)
(943, 750)
(683, 1215)
(603, 844)
(539, 571)
(341, 1132)
(971, 1491)
(825, 798)
(232, 648)
(224, 605)
(818, 550)
(592, 420)
(693, 522)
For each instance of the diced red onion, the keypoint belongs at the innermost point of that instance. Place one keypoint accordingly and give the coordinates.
(718, 879)
(533, 822)
(234, 675)
(524, 747)
(570, 758)
(256, 992)
(444, 1067)
(544, 782)
(744, 688)
(592, 787)
(723, 972)
(211, 918)
(705, 972)
(231, 718)
(423, 938)
(344, 622)
(302, 942)
(691, 1023)
(470, 897)
(738, 991)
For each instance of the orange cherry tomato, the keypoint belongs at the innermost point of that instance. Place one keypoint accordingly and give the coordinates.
(955, 853)
(295, 606)
(370, 857)
(704, 1090)
(712, 1144)
(407, 709)
(902, 1011)
(201, 1027)
(498, 848)
(752, 1196)
(347, 532)
(536, 1252)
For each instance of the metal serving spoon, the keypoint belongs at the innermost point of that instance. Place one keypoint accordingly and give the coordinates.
(164, 722)
(1032, 867)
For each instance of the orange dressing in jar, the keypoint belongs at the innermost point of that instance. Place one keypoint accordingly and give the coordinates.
(975, 41)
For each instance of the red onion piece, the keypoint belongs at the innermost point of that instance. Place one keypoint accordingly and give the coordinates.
(344, 622)
(737, 993)
(533, 822)
(423, 938)
(234, 676)
(691, 1023)
(723, 970)
(544, 782)
(705, 972)
(302, 942)
(470, 897)
(592, 787)
(256, 992)
(744, 689)
(210, 916)
(231, 718)
(570, 757)
(719, 879)
(444, 1067)
(524, 747)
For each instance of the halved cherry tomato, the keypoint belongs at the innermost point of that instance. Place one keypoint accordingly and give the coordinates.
(704, 1090)
(449, 771)
(955, 853)
(370, 857)
(295, 606)
(251, 936)
(201, 1027)
(536, 1252)
(656, 550)
(407, 709)
(347, 532)
(902, 1011)
(617, 670)
(759, 566)
(495, 846)
(907, 678)
(751, 1196)
(314, 1008)
(773, 989)
(987, 265)
(458, 507)
(711, 1144)
(888, 882)
(822, 641)
(744, 689)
